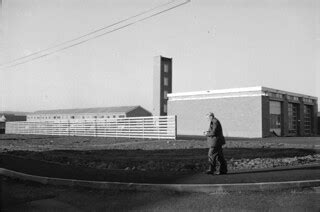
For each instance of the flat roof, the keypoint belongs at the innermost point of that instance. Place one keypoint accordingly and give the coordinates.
(233, 92)
(121, 109)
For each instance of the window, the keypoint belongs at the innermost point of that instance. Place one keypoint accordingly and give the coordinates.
(275, 121)
(114, 116)
(307, 100)
(165, 93)
(276, 95)
(275, 117)
(166, 68)
(293, 118)
(294, 98)
(307, 119)
(165, 81)
(165, 108)
(72, 117)
(121, 116)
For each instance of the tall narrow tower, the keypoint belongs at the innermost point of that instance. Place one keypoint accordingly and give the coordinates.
(162, 84)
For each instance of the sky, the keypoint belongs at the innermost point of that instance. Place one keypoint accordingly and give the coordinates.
(215, 44)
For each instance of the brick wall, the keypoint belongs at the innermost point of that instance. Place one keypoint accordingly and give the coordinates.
(156, 86)
(265, 116)
(2, 127)
(318, 124)
(301, 118)
(285, 117)
(316, 119)
(239, 116)
(159, 100)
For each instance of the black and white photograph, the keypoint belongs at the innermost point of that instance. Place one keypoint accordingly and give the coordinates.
(159, 105)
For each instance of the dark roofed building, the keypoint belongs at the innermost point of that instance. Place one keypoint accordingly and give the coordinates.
(319, 123)
(12, 117)
(89, 113)
(5, 117)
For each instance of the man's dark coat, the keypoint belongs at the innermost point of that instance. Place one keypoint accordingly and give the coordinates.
(215, 136)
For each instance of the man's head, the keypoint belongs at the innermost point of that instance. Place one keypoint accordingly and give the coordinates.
(210, 116)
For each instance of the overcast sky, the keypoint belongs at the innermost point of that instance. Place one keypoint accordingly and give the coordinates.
(215, 44)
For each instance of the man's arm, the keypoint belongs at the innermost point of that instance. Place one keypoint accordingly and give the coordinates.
(212, 129)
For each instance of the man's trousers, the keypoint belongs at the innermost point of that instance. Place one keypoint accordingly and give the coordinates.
(214, 154)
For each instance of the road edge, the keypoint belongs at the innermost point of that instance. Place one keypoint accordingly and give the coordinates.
(203, 188)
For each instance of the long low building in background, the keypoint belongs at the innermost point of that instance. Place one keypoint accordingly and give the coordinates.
(88, 113)
(252, 112)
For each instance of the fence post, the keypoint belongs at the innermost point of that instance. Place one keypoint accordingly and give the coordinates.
(158, 127)
(68, 127)
(129, 128)
(175, 127)
(95, 127)
(116, 128)
(143, 128)
(105, 128)
(59, 126)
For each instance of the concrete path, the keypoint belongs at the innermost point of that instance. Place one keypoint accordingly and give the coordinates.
(44, 205)
(75, 199)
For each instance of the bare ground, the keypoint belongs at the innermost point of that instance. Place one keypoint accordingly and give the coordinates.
(161, 155)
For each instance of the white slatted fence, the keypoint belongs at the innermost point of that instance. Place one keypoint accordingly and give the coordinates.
(156, 127)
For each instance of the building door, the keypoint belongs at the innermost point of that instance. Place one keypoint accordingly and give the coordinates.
(275, 117)
(307, 119)
(293, 119)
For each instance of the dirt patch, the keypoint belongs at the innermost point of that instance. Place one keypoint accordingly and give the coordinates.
(179, 160)
(45, 143)
(158, 155)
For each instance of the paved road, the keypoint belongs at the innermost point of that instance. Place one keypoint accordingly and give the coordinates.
(22, 196)
(28, 196)
(47, 169)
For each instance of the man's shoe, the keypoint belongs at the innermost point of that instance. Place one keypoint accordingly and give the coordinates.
(222, 173)
(210, 172)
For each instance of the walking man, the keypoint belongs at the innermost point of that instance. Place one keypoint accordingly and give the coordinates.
(215, 141)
